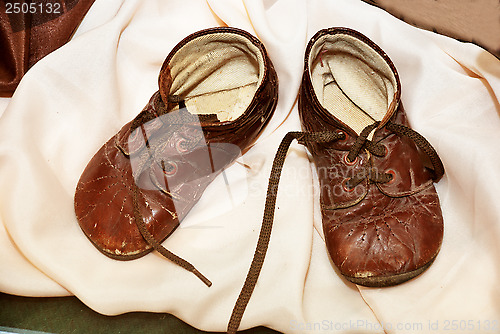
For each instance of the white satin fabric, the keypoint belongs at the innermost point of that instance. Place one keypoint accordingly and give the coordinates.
(76, 98)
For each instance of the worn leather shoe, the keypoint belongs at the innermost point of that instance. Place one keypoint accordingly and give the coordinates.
(217, 91)
(381, 216)
(382, 220)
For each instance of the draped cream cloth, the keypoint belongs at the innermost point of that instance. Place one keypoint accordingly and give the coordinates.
(75, 99)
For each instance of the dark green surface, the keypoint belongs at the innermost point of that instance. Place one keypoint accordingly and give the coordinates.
(69, 315)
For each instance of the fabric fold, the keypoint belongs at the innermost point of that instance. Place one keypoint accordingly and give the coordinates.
(78, 96)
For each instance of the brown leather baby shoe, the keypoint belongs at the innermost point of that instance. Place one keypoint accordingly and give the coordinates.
(381, 215)
(217, 91)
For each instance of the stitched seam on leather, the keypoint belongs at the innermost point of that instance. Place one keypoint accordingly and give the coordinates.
(421, 188)
(347, 204)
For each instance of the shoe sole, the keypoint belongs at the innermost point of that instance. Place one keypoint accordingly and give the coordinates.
(385, 281)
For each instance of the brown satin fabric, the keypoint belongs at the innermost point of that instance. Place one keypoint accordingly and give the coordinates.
(25, 38)
(377, 234)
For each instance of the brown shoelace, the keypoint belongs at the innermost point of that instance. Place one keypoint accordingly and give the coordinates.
(175, 120)
(360, 143)
(377, 149)
(158, 247)
(267, 221)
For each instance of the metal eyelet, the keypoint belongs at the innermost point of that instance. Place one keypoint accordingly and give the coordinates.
(350, 163)
(134, 135)
(345, 187)
(342, 133)
(153, 124)
(181, 146)
(386, 150)
(135, 142)
(393, 174)
(169, 167)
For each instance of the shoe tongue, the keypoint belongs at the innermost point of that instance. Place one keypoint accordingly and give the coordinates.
(171, 102)
(373, 97)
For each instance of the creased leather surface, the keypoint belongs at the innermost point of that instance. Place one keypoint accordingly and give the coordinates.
(372, 232)
(79, 96)
(384, 236)
(171, 155)
(404, 159)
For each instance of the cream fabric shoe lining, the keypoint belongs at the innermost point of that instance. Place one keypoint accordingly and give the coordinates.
(352, 81)
(217, 74)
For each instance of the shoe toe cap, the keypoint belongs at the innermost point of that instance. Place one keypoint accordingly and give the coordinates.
(105, 210)
(384, 248)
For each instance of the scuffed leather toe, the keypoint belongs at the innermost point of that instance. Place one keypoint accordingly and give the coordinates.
(143, 181)
(387, 244)
(382, 219)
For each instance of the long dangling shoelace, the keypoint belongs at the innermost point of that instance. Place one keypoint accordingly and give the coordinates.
(139, 220)
(158, 247)
(267, 221)
(360, 143)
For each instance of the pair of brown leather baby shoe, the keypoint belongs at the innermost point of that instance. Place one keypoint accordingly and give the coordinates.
(218, 89)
